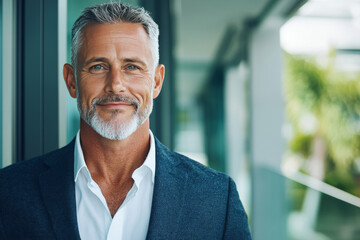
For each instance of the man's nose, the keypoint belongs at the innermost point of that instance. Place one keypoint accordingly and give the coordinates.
(116, 81)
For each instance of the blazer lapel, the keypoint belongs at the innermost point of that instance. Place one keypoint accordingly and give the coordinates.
(169, 194)
(58, 191)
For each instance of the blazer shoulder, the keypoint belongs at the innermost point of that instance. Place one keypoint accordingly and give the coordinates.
(198, 169)
(195, 170)
(33, 166)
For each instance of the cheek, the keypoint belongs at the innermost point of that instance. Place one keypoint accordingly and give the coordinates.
(140, 86)
(143, 91)
(87, 93)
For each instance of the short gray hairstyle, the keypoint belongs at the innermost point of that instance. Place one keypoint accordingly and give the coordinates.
(114, 12)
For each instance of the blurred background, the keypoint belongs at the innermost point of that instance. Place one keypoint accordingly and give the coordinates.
(267, 91)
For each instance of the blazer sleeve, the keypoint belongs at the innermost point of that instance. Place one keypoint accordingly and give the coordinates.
(2, 230)
(236, 223)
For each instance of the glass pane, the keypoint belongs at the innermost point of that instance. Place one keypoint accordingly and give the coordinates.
(319, 216)
(211, 86)
(322, 90)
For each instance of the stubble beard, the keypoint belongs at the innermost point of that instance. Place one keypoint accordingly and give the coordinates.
(115, 128)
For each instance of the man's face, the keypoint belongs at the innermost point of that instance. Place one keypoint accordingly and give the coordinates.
(116, 78)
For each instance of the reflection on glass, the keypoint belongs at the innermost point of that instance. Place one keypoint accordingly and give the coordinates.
(211, 86)
(322, 91)
(319, 216)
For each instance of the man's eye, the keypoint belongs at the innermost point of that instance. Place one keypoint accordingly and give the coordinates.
(132, 67)
(97, 67)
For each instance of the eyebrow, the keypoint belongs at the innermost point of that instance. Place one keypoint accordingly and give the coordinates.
(134, 60)
(126, 60)
(96, 59)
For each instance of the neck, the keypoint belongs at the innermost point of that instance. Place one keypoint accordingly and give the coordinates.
(114, 161)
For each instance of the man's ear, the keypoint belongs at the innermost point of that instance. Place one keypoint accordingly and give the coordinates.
(159, 79)
(69, 77)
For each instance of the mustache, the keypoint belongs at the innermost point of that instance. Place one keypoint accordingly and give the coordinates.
(116, 98)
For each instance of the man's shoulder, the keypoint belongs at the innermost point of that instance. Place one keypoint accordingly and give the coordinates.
(33, 166)
(193, 169)
(199, 170)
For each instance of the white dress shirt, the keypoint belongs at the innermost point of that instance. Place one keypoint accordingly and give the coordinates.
(131, 220)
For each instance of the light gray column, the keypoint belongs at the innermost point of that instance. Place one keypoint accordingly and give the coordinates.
(62, 56)
(8, 81)
(268, 187)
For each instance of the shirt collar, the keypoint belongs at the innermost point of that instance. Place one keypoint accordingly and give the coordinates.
(150, 160)
(79, 161)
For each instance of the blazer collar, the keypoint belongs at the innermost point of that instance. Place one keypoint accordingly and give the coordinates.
(58, 190)
(169, 194)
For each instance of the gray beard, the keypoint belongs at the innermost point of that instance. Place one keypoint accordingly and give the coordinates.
(115, 129)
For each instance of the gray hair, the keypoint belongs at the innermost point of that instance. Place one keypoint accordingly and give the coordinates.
(114, 13)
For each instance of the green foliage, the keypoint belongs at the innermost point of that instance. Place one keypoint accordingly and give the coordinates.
(333, 98)
(296, 193)
(342, 180)
(301, 144)
(304, 82)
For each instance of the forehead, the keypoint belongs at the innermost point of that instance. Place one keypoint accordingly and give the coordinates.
(115, 36)
(125, 28)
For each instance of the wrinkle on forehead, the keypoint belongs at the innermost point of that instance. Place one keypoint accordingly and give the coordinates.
(124, 40)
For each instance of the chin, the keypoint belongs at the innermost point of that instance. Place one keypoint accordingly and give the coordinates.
(115, 129)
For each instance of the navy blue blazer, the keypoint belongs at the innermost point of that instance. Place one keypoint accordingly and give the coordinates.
(190, 201)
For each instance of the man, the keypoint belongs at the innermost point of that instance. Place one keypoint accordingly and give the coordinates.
(115, 180)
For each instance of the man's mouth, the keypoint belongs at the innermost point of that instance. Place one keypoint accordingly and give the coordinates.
(116, 102)
(115, 105)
